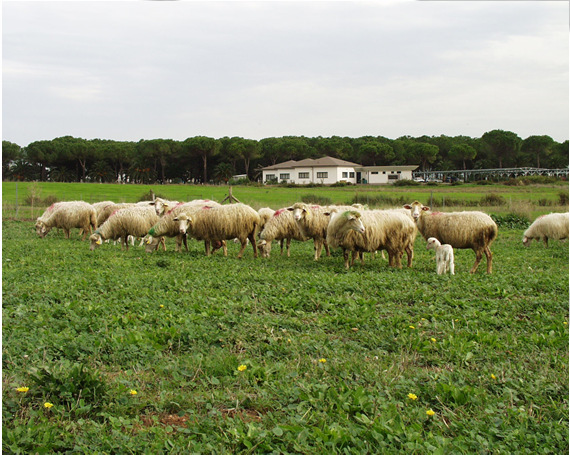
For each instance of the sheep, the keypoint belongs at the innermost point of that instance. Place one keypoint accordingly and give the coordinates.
(265, 215)
(170, 228)
(463, 230)
(443, 256)
(551, 226)
(67, 215)
(281, 226)
(220, 223)
(135, 221)
(162, 206)
(370, 231)
(105, 211)
(312, 222)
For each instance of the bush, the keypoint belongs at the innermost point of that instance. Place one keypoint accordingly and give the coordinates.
(406, 182)
(511, 221)
(379, 200)
(317, 200)
(150, 196)
(563, 198)
(484, 182)
(492, 199)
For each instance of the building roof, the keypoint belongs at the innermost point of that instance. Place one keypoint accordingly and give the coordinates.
(403, 167)
(327, 161)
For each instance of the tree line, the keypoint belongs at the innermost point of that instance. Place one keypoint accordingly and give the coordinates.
(204, 159)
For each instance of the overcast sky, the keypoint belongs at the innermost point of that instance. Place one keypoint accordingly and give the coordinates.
(143, 70)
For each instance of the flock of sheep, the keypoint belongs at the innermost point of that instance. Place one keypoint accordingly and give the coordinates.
(355, 229)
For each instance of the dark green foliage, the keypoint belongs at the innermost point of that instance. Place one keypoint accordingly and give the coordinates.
(406, 182)
(316, 199)
(511, 221)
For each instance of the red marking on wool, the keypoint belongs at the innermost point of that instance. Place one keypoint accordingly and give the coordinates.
(279, 212)
(51, 207)
(180, 203)
(315, 206)
(436, 213)
(206, 207)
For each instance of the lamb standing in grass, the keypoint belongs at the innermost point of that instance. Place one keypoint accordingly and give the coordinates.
(443, 256)
(551, 226)
(66, 216)
(474, 230)
(225, 222)
(135, 221)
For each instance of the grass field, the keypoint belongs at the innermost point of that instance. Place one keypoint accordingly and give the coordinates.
(180, 353)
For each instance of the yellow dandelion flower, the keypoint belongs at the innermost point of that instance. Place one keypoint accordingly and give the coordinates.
(133, 392)
(161, 306)
(48, 405)
(412, 396)
(430, 412)
(242, 368)
(493, 376)
(22, 389)
(433, 340)
(412, 327)
(322, 360)
(565, 323)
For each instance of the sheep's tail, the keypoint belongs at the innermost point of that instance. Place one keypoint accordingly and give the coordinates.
(491, 234)
(93, 220)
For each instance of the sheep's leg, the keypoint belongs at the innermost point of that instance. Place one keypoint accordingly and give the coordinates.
(178, 243)
(326, 245)
(451, 267)
(243, 245)
(253, 242)
(288, 247)
(345, 255)
(67, 232)
(545, 239)
(318, 248)
(489, 259)
(410, 253)
(354, 257)
(281, 243)
(185, 240)
(207, 246)
(479, 256)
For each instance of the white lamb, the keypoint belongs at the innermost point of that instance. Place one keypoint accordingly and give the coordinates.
(551, 226)
(135, 221)
(474, 230)
(66, 216)
(312, 222)
(443, 256)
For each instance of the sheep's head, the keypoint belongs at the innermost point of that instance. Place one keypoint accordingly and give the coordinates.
(95, 241)
(300, 210)
(264, 248)
(41, 229)
(184, 222)
(353, 220)
(151, 243)
(526, 241)
(416, 209)
(432, 243)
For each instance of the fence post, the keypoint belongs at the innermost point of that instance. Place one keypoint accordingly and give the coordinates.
(16, 200)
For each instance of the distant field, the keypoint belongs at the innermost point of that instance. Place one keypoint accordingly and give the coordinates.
(180, 353)
(532, 199)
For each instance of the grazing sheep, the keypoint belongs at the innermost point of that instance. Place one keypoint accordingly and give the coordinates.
(265, 215)
(551, 226)
(464, 230)
(170, 228)
(282, 227)
(312, 222)
(105, 211)
(370, 231)
(66, 216)
(443, 256)
(221, 223)
(135, 221)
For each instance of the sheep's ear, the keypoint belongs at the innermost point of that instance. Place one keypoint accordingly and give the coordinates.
(290, 209)
(175, 219)
(408, 206)
(425, 208)
(153, 202)
(329, 213)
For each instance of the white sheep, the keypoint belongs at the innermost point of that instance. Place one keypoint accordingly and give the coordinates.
(225, 222)
(163, 205)
(312, 222)
(443, 256)
(265, 215)
(282, 227)
(370, 231)
(104, 211)
(66, 216)
(135, 221)
(168, 227)
(551, 226)
(463, 230)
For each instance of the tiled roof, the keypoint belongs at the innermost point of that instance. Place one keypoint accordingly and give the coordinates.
(327, 161)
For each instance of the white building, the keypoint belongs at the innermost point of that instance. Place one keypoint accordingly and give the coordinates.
(329, 170)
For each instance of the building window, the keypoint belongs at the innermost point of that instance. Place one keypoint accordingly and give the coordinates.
(393, 177)
(383, 172)
(303, 175)
(352, 175)
(283, 176)
(270, 178)
(322, 175)
(345, 175)
(399, 172)
(374, 172)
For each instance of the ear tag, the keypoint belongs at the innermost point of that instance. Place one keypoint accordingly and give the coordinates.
(98, 242)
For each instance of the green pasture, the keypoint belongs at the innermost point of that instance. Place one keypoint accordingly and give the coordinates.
(26, 200)
(178, 353)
